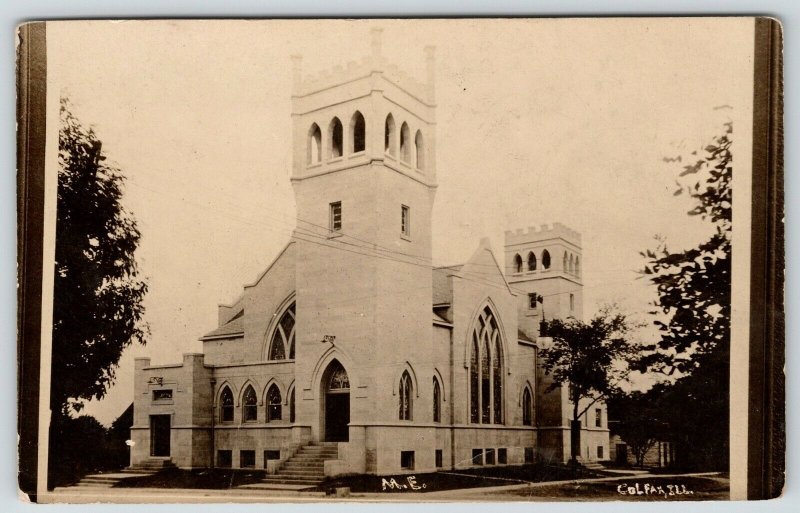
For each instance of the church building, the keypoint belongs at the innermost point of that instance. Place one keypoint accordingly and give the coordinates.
(351, 353)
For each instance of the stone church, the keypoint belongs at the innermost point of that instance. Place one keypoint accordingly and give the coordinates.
(351, 353)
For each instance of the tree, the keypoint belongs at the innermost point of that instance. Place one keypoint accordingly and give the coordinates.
(640, 424)
(592, 358)
(97, 305)
(694, 310)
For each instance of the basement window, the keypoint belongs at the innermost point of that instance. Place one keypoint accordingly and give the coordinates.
(439, 458)
(225, 458)
(502, 456)
(477, 456)
(529, 455)
(271, 454)
(407, 460)
(247, 459)
(489, 456)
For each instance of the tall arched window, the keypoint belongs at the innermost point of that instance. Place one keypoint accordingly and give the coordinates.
(249, 405)
(358, 130)
(486, 371)
(577, 266)
(314, 144)
(291, 406)
(474, 389)
(437, 401)
(226, 405)
(406, 389)
(564, 265)
(517, 264)
(531, 261)
(572, 264)
(283, 337)
(497, 381)
(545, 259)
(273, 403)
(527, 407)
(335, 138)
(405, 143)
(419, 146)
(389, 136)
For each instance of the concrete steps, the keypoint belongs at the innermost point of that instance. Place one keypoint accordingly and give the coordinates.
(306, 469)
(109, 479)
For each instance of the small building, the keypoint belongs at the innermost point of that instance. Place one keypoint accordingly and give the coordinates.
(350, 339)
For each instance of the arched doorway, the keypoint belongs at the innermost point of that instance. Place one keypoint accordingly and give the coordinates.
(335, 403)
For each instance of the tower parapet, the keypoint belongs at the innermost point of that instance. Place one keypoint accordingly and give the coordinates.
(542, 233)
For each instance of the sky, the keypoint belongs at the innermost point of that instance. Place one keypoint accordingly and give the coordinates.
(538, 121)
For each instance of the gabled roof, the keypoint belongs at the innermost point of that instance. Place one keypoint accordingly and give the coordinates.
(231, 329)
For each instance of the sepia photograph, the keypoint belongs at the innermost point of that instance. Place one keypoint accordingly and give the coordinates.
(396, 260)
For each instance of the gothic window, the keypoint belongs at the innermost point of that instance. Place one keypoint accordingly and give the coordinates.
(577, 266)
(571, 264)
(419, 146)
(497, 380)
(291, 406)
(339, 380)
(283, 337)
(564, 265)
(405, 143)
(486, 371)
(545, 259)
(527, 407)
(474, 396)
(437, 401)
(517, 264)
(406, 389)
(358, 129)
(531, 261)
(226, 405)
(250, 405)
(273, 403)
(314, 144)
(335, 138)
(390, 146)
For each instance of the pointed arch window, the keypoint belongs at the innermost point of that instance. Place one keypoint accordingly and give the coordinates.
(249, 405)
(273, 403)
(419, 146)
(226, 405)
(474, 389)
(389, 136)
(572, 264)
(486, 371)
(527, 407)
(406, 389)
(358, 129)
(577, 266)
(545, 259)
(335, 138)
(284, 336)
(437, 401)
(565, 265)
(531, 261)
(314, 144)
(405, 143)
(517, 264)
(291, 406)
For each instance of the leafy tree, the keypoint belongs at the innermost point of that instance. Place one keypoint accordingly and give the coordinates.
(592, 359)
(694, 312)
(97, 307)
(640, 423)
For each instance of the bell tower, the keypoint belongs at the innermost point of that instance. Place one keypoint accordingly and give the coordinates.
(364, 177)
(545, 263)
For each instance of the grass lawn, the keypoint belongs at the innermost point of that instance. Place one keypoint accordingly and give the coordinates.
(631, 489)
(210, 479)
(452, 480)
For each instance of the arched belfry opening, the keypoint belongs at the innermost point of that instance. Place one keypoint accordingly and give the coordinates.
(419, 146)
(314, 144)
(405, 143)
(335, 407)
(335, 139)
(358, 132)
(389, 136)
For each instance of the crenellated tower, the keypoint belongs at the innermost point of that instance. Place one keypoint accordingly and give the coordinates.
(545, 263)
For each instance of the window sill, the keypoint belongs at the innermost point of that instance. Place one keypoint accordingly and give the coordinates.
(333, 235)
(335, 159)
(405, 237)
(357, 154)
(314, 165)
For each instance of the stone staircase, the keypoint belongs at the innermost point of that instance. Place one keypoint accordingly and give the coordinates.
(591, 465)
(306, 469)
(151, 465)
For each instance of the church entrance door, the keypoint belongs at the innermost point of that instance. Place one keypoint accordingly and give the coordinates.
(159, 435)
(337, 403)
